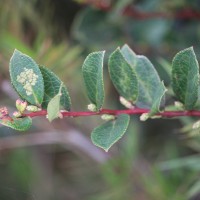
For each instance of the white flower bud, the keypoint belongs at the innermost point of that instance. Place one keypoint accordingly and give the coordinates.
(125, 103)
(179, 105)
(196, 125)
(144, 116)
(92, 107)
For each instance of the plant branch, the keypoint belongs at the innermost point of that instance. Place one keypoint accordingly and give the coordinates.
(135, 111)
(131, 11)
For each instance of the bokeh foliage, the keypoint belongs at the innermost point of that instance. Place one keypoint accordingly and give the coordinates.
(156, 160)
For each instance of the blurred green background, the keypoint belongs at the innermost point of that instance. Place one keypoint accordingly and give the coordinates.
(155, 160)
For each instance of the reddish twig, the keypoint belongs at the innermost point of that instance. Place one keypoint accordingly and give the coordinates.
(135, 111)
(131, 11)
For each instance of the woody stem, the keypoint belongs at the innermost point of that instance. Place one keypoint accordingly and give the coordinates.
(135, 111)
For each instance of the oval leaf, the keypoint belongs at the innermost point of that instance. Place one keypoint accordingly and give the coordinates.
(26, 78)
(150, 85)
(151, 89)
(109, 133)
(19, 124)
(93, 77)
(149, 82)
(51, 88)
(123, 76)
(185, 77)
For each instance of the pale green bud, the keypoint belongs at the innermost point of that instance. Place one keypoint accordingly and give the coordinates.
(144, 116)
(21, 105)
(107, 117)
(156, 117)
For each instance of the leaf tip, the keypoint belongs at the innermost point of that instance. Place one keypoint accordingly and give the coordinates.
(191, 48)
(125, 46)
(117, 50)
(16, 51)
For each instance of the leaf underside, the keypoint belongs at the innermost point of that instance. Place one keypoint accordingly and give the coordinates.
(151, 89)
(110, 132)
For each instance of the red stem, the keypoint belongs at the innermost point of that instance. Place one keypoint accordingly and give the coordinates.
(131, 11)
(135, 111)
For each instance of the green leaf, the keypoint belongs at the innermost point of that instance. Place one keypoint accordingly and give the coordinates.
(150, 86)
(19, 124)
(93, 77)
(51, 88)
(149, 83)
(53, 108)
(185, 77)
(109, 133)
(123, 76)
(158, 98)
(129, 55)
(26, 78)
(151, 89)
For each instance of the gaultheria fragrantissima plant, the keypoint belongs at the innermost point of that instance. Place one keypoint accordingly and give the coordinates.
(141, 91)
